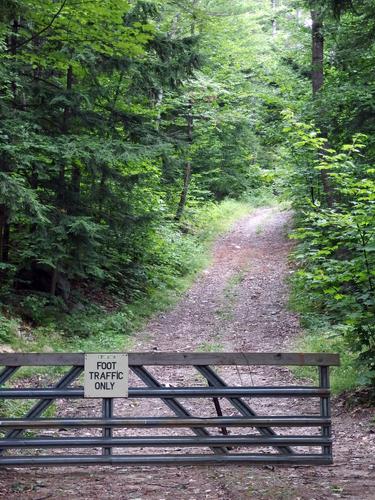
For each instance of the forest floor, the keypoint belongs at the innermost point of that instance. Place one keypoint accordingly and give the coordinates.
(238, 304)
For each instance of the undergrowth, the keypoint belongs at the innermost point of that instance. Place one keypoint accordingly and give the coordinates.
(320, 335)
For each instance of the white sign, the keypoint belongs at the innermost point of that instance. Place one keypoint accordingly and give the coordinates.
(106, 375)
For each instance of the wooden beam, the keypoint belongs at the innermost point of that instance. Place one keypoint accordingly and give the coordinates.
(177, 358)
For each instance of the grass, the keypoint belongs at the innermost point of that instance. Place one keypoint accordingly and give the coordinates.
(344, 377)
(226, 310)
(235, 280)
(210, 347)
(212, 220)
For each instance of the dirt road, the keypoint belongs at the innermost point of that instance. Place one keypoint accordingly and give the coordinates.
(238, 304)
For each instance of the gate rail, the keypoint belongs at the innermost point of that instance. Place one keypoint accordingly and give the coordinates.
(219, 447)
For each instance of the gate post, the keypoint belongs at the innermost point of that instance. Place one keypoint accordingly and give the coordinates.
(107, 412)
(325, 408)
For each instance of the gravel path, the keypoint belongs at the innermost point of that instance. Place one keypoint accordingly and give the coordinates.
(237, 304)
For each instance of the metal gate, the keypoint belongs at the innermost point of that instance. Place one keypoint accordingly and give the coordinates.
(214, 423)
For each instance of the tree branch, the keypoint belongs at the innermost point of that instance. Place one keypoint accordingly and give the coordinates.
(44, 29)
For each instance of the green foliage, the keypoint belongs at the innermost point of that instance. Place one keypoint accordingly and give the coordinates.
(322, 335)
(34, 307)
(78, 151)
(336, 259)
(8, 329)
(18, 409)
(94, 104)
(327, 170)
(210, 347)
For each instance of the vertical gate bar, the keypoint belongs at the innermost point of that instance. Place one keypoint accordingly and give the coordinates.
(325, 408)
(7, 373)
(42, 405)
(219, 412)
(240, 405)
(107, 432)
(173, 404)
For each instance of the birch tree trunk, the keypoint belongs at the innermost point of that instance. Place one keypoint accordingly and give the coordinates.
(274, 22)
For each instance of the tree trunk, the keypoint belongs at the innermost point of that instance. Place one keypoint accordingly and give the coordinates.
(317, 80)
(174, 26)
(102, 190)
(54, 278)
(2, 224)
(4, 233)
(184, 192)
(76, 173)
(75, 189)
(4, 210)
(13, 50)
(187, 167)
(317, 73)
(67, 109)
(158, 104)
(274, 22)
(62, 184)
(61, 190)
